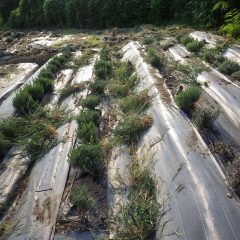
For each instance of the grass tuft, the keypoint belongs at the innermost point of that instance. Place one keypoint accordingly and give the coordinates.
(135, 103)
(81, 198)
(154, 59)
(204, 118)
(131, 128)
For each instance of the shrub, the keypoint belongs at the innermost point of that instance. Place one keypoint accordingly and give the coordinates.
(88, 116)
(131, 128)
(88, 133)
(204, 118)
(194, 46)
(47, 84)
(187, 98)
(236, 75)
(154, 59)
(24, 103)
(228, 67)
(36, 91)
(87, 157)
(135, 103)
(102, 69)
(97, 87)
(81, 198)
(91, 102)
(148, 40)
(185, 40)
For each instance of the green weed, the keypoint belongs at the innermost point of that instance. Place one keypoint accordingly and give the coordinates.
(194, 46)
(91, 102)
(135, 103)
(82, 199)
(204, 118)
(89, 116)
(131, 128)
(87, 157)
(187, 98)
(88, 133)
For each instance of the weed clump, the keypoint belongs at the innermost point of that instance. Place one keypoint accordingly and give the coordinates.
(234, 175)
(135, 103)
(185, 39)
(118, 89)
(91, 102)
(87, 157)
(81, 198)
(204, 118)
(24, 103)
(187, 98)
(229, 67)
(97, 87)
(46, 74)
(148, 40)
(236, 75)
(36, 91)
(88, 133)
(88, 116)
(123, 71)
(102, 69)
(138, 219)
(194, 46)
(131, 128)
(154, 59)
(47, 84)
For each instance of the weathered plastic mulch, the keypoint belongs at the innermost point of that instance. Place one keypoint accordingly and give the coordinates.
(37, 211)
(15, 164)
(224, 92)
(233, 51)
(15, 76)
(185, 170)
(6, 107)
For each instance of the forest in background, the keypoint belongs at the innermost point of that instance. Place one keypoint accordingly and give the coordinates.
(99, 14)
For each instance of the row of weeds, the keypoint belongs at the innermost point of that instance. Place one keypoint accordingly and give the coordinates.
(89, 155)
(187, 98)
(35, 133)
(28, 99)
(213, 56)
(204, 118)
(137, 218)
(34, 128)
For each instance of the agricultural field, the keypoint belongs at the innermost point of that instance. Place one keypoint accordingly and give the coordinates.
(123, 134)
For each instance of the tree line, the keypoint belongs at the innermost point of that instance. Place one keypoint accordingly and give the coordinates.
(121, 13)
